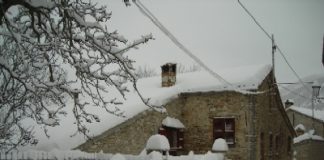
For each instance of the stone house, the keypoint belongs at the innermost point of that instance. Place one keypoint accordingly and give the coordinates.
(250, 116)
(309, 149)
(307, 146)
(299, 115)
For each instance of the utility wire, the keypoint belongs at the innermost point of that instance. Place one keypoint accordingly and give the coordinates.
(254, 19)
(293, 92)
(270, 37)
(294, 71)
(149, 14)
(146, 12)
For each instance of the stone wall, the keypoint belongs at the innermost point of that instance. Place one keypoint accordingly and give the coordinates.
(309, 150)
(298, 118)
(272, 121)
(198, 113)
(130, 137)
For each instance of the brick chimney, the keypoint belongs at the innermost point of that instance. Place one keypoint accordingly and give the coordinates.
(169, 71)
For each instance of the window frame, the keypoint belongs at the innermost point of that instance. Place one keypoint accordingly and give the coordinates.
(173, 133)
(271, 151)
(289, 145)
(224, 127)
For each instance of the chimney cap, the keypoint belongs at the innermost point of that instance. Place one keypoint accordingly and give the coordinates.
(169, 64)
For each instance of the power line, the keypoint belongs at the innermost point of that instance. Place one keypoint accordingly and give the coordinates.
(146, 12)
(254, 19)
(270, 37)
(150, 15)
(293, 92)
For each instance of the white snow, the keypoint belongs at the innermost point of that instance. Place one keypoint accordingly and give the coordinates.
(51, 122)
(41, 3)
(245, 77)
(220, 145)
(308, 135)
(158, 142)
(172, 122)
(76, 154)
(318, 114)
(155, 156)
(315, 84)
(118, 157)
(290, 101)
(213, 156)
(301, 127)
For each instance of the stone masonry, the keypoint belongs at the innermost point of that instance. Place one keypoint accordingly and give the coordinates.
(299, 118)
(254, 114)
(309, 150)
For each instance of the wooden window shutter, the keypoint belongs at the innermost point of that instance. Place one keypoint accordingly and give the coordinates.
(219, 128)
(162, 131)
(230, 131)
(180, 138)
(262, 146)
(271, 143)
(225, 128)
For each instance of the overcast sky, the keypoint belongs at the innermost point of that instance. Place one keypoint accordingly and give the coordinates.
(222, 35)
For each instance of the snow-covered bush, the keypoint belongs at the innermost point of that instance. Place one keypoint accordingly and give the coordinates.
(155, 156)
(308, 135)
(220, 145)
(157, 142)
(213, 156)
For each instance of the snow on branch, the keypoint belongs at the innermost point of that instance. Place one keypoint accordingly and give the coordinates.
(54, 50)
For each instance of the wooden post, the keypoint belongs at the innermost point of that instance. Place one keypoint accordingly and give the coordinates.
(273, 52)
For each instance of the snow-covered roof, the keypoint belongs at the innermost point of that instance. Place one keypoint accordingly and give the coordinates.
(172, 122)
(158, 142)
(290, 101)
(318, 114)
(308, 135)
(245, 77)
(300, 127)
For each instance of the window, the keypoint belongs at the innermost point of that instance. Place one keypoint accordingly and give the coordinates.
(225, 128)
(271, 142)
(262, 146)
(174, 68)
(174, 135)
(277, 143)
(289, 144)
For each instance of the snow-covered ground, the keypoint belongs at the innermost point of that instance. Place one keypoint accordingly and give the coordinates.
(246, 77)
(156, 144)
(75, 154)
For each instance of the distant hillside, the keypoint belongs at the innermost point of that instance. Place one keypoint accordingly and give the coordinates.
(300, 95)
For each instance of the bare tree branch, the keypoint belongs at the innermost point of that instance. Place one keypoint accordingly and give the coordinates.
(42, 43)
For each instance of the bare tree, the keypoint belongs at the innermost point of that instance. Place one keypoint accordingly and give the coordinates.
(43, 43)
(184, 69)
(145, 71)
